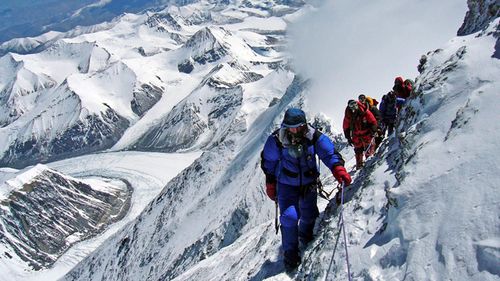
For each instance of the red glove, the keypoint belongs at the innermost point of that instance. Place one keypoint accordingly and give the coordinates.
(271, 190)
(341, 175)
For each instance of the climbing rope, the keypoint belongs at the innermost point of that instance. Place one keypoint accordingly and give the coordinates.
(340, 222)
(367, 150)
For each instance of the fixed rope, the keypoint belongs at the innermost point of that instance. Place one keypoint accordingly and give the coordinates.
(340, 223)
(366, 152)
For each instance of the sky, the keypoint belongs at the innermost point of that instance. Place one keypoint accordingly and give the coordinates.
(349, 47)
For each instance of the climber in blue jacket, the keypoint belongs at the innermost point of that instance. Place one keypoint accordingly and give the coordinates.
(292, 176)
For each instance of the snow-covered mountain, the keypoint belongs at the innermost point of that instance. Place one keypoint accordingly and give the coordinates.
(212, 69)
(45, 212)
(426, 208)
(405, 215)
(59, 96)
(213, 77)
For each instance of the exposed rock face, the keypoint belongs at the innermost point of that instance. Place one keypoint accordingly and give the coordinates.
(186, 124)
(205, 47)
(53, 205)
(145, 98)
(481, 12)
(160, 20)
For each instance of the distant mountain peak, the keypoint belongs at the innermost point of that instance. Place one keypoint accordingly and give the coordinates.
(211, 43)
(163, 20)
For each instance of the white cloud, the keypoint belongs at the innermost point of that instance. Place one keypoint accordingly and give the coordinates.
(100, 3)
(358, 46)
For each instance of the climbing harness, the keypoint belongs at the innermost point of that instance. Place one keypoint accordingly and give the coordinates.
(341, 222)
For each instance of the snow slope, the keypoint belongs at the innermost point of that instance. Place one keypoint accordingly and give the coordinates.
(103, 70)
(147, 174)
(427, 208)
(424, 208)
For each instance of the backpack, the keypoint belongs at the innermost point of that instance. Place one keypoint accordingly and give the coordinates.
(275, 135)
(409, 86)
(372, 101)
(316, 135)
(389, 101)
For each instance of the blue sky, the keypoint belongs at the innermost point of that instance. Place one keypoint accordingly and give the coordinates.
(28, 18)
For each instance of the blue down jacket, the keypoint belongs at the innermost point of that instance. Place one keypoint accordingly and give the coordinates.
(281, 161)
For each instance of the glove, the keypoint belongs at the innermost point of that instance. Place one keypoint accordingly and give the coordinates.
(271, 191)
(341, 175)
(271, 186)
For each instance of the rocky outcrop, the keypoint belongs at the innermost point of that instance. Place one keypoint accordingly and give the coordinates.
(49, 212)
(481, 12)
(145, 97)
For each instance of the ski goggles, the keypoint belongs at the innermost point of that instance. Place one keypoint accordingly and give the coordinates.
(298, 131)
(353, 105)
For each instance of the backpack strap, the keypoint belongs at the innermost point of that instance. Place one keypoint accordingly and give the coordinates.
(316, 135)
(276, 137)
(275, 134)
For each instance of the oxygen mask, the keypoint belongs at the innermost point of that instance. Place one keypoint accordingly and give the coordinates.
(297, 134)
(353, 105)
(296, 150)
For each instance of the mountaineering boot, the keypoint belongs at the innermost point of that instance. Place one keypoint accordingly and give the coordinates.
(304, 240)
(359, 160)
(291, 260)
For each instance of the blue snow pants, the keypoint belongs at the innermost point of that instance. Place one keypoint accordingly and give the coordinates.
(298, 215)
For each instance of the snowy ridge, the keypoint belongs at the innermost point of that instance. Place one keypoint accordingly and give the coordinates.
(17, 182)
(417, 214)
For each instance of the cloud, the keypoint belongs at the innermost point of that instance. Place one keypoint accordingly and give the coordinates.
(100, 3)
(348, 47)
